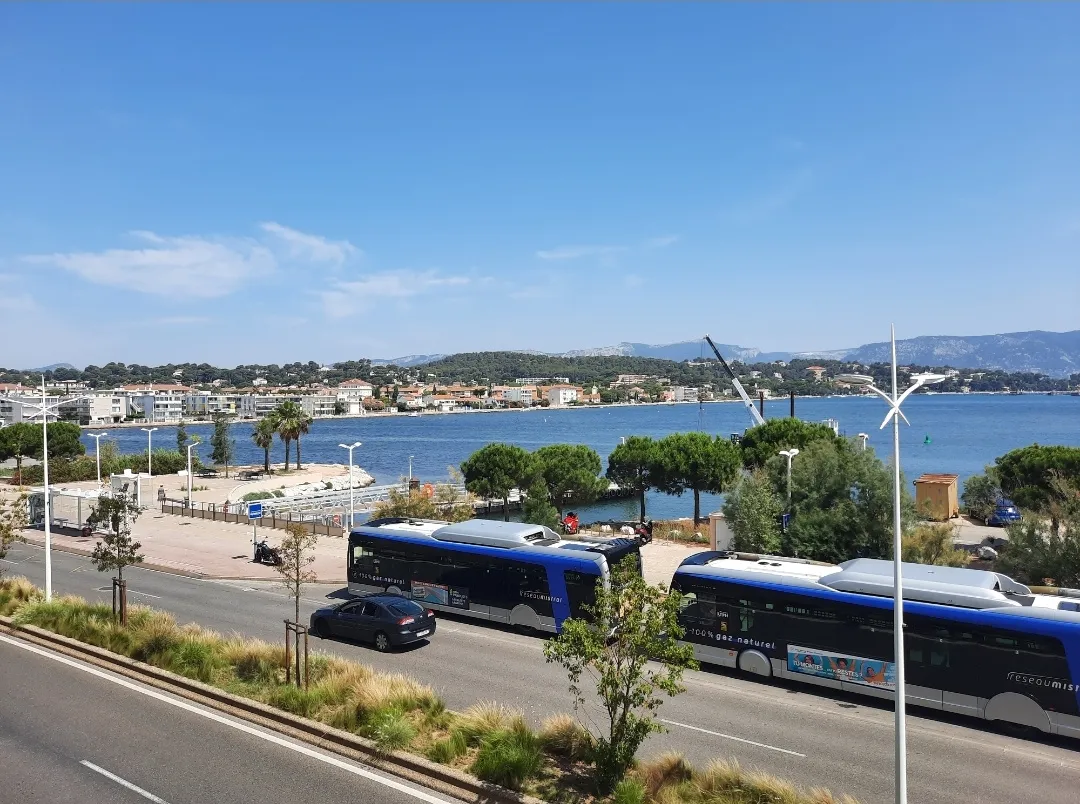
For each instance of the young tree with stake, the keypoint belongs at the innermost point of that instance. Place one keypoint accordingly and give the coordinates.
(116, 549)
(296, 559)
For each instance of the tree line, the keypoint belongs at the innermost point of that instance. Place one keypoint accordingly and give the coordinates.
(486, 368)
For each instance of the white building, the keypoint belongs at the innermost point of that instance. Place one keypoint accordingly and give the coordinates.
(684, 393)
(352, 393)
(561, 395)
(104, 407)
(16, 409)
(319, 406)
(202, 403)
(255, 406)
(541, 380)
(522, 396)
(158, 403)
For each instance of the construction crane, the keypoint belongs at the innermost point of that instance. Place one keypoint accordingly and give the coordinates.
(757, 418)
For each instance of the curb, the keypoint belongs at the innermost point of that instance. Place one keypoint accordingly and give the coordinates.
(416, 769)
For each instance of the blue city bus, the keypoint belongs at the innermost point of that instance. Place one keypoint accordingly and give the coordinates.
(507, 572)
(976, 643)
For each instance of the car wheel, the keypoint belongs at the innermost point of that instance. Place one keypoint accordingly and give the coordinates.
(382, 642)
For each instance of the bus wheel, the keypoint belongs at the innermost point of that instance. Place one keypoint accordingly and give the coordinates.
(756, 662)
(1017, 710)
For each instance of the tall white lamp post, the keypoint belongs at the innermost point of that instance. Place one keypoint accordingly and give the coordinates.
(97, 452)
(352, 490)
(45, 410)
(894, 401)
(149, 449)
(190, 447)
(789, 454)
(410, 471)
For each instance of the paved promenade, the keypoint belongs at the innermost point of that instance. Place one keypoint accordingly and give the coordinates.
(207, 549)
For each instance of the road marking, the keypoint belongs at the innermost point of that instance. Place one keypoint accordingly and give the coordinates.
(7, 561)
(736, 739)
(124, 782)
(299, 748)
(130, 592)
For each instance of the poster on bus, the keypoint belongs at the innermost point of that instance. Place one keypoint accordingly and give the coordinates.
(842, 667)
(440, 595)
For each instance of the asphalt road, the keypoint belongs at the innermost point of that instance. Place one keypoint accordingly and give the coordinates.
(811, 737)
(74, 733)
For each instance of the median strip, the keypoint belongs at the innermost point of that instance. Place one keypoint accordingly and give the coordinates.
(731, 737)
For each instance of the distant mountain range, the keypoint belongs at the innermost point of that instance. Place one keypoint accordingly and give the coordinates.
(1056, 354)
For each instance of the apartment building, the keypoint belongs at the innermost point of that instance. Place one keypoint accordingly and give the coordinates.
(105, 407)
(561, 395)
(524, 395)
(17, 409)
(684, 393)
(319, 406)
(159, 403)
(352, 393)
(204, 403)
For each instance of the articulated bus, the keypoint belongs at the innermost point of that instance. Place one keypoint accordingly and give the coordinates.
(507, 572)
(977, 643)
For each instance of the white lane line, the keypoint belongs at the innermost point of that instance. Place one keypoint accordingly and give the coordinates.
(8, 561)
(736, 739)
(124, 782)
(130, 592)
(299, 748)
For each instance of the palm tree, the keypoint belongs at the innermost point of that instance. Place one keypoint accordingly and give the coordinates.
(292, 422)
(263, 436)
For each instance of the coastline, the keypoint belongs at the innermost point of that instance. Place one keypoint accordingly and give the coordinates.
(425, 413)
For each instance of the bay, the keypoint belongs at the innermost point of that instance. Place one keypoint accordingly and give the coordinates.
(958, 434)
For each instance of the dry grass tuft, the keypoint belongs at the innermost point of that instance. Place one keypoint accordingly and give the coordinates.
(487, 717)
(667, 770)
(562, 736)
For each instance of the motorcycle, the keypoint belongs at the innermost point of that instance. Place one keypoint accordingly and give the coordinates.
(265, 554)
(571, 524)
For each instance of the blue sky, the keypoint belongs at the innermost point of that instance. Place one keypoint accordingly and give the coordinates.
(249, 183)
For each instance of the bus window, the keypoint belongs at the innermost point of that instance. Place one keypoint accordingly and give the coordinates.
(580, 592)
(746, 616)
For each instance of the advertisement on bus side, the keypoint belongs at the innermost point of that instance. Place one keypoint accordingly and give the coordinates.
(440, 595)
(839, 667)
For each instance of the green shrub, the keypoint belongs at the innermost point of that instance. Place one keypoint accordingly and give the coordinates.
(195, 658)
(446, 751)
(391, 731)
(629, 791)
(508, 758)
(251, 496)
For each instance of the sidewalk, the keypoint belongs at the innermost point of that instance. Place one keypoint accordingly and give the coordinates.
(203, 548)
(207, 549)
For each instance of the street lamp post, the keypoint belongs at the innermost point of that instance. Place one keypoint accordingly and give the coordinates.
(97, 452)
(190, 447)
(352, 489)
(44, 408)
(410, 471)
(149, 449)
(863, 438)
(894, 401)
(789, 454)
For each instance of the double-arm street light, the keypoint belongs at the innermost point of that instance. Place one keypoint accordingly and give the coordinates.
(894, 401)
(97, 452)
(789, 454)
(352, 491)
(149, 449)
(45, 410)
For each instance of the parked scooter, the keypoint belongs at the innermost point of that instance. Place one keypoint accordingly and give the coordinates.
(265, 554)
(571, 524)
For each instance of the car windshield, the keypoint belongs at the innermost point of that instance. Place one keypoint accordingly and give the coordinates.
(406, 608)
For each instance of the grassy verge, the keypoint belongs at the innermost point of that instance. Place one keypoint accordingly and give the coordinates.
(681, 530)
(397, 712)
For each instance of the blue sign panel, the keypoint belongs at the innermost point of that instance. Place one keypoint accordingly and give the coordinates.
(255, 510)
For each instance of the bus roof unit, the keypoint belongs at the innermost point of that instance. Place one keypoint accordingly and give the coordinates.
(947, 586)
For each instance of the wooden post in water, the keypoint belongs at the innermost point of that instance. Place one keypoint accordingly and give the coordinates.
(793, 404)
(761, 402)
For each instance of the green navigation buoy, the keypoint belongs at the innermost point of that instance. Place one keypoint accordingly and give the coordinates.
(927, 439)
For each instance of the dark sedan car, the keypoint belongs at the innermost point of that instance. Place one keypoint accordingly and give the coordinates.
(1005, 513)
(386, 620)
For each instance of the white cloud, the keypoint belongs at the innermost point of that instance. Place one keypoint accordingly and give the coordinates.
(309, 247)
(577, 252)
(662, 242)
(181, 267)
(348, 297)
